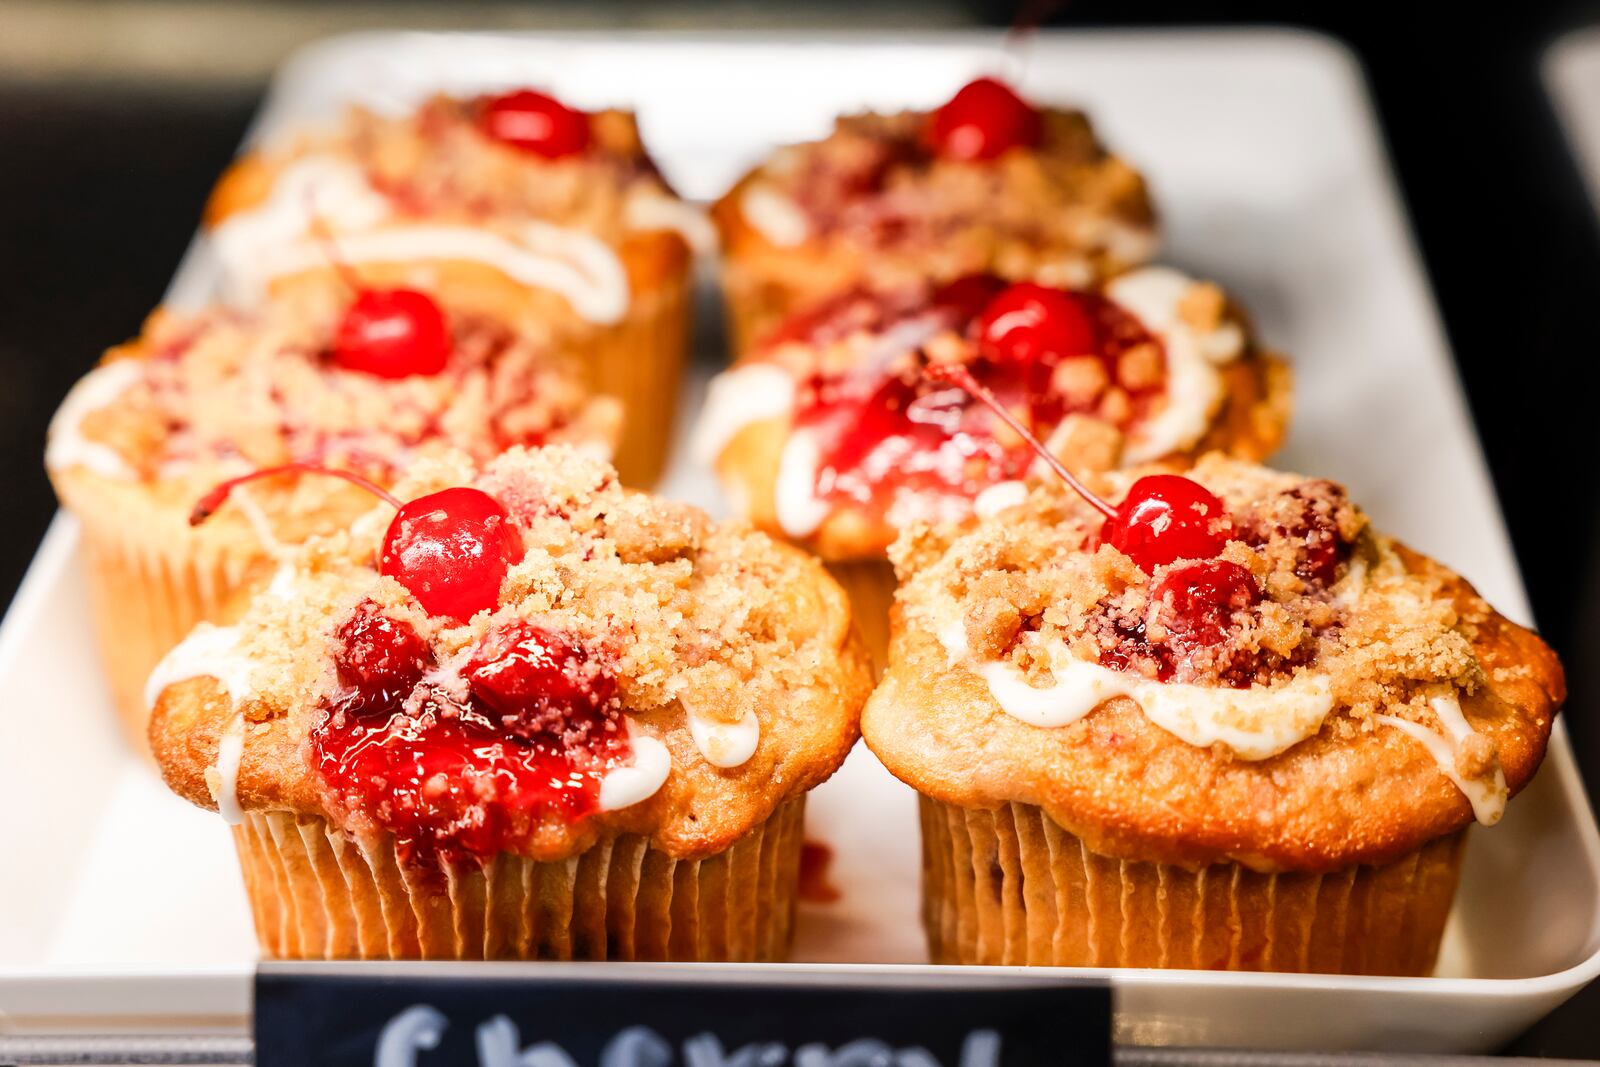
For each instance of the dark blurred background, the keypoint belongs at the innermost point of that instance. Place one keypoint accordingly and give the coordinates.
(116, 115)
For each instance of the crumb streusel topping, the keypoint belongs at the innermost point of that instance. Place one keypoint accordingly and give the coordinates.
(199, 397)
(1333, 632)
(1061, 212)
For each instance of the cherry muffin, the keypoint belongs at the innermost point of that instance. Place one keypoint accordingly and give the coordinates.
(832, 435)
(1221, 724)
(365, 383)
(516, 206)
(525, 714)
(987, 182)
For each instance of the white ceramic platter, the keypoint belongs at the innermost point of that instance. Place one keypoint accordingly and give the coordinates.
(121, 908)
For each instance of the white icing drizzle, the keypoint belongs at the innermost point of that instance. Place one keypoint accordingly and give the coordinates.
(737, 398)
(276, 238)
(998, 497)
(774, 216)
(1487, 797)
(67, 446)
(213, 652)
(335, 190)
(639, 779)
(208, 652)
(1254, 723)
(724, 744)
(1154, 295)
(651, 210)
(799, 510)
(230, 750)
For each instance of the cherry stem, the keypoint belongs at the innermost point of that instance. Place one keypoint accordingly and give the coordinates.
(330, 248)
(208, 504)
(959, 375)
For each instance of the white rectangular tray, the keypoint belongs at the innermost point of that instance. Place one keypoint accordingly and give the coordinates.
(1571, 71)
(121, 907)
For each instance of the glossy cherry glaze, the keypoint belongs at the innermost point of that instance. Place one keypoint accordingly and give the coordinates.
(904, 434)
(985, 119)
(452, 550)
(392, 333)
(1203, 597)
(539, 727)
(535, 122)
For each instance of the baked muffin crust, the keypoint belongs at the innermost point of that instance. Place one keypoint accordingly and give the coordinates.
(1384, 633)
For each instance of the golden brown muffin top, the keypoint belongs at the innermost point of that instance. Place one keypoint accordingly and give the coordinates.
(833, 434)
(202, 396)
(640, 670)
(1063, 210)
(1312, 696)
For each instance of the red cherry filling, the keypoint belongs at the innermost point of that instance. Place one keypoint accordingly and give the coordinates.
(1166, 517)
(969, 294)
(379, 661)
(1028, 322)
(1322, 546)
(537, 733)
(884, 434)
(983, 120)
(392, 333)
(535, 122)
(1203, 597)
(452, 550)
(540, 684)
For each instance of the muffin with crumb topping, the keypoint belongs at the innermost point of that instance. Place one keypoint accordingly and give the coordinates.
(1228, 726)
(833, 435)
(986, 182)
(200, 397)
(529, 714)
(516, 205)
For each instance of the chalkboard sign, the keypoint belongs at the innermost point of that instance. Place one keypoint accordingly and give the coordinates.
(603, 1015)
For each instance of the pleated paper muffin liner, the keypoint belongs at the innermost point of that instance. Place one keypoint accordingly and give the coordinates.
(1009, 886)
(640, 363)
(870, 585)
(317, 893)
(148, 587)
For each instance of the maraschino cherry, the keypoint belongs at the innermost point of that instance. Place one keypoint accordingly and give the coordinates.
(450, 549)
(982, 121)
(388, 333)
(1165, 517)
(535, 122)
(392, 333)
(1028, 321)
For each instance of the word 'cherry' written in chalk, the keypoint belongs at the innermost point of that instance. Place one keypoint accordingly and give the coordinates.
(419, 1028)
